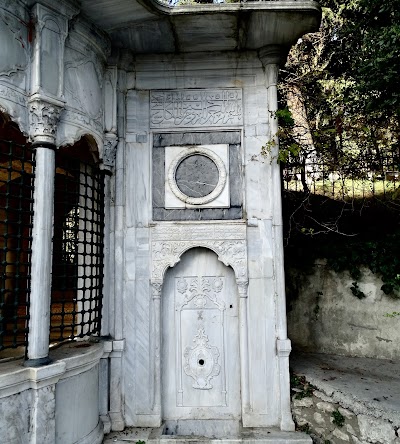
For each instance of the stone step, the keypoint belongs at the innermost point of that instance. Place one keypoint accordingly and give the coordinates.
(246, 436)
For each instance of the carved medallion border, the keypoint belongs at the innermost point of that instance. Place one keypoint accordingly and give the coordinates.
(169, 242)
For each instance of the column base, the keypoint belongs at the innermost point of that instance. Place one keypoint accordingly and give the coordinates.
(37, 362)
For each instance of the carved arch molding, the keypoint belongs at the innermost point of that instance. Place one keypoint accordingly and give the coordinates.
(170, 240)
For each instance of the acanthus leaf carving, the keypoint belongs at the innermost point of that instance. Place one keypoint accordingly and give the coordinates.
(43, 119)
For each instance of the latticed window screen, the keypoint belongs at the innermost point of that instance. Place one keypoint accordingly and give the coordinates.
(16, 213)
(77, 277)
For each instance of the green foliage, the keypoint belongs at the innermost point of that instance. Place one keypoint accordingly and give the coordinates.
(355, 289)
(394, 314)
(338, 418)
(340, 105)
(301, 387)
(381, 257)
(304, 428)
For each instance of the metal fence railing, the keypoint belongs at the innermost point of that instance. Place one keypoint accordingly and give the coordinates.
(16, 212)
(355, 178)
(77, 277)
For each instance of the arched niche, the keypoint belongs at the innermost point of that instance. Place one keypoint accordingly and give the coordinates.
(200, 341)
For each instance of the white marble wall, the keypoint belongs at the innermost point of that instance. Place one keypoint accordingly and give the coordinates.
(141, 381)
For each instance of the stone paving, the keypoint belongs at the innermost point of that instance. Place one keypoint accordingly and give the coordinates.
(355, 400)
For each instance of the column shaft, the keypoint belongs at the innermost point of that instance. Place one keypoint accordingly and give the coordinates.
(41, 260)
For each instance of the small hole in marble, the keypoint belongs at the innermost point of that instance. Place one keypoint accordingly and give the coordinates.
(231, 306)
(201, 361)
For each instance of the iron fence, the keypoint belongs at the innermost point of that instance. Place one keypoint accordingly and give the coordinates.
(77, 277)
(352, 178)
(16, 213)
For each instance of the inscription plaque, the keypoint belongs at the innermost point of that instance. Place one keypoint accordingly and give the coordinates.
(196, 108)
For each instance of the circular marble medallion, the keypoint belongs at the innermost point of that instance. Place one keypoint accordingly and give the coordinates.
(197, 176)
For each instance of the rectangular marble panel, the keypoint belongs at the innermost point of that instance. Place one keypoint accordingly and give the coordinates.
(158, 185)
(196, 108)
(196, 138)
(162, 140)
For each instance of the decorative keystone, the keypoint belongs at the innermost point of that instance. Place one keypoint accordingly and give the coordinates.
(44, 115)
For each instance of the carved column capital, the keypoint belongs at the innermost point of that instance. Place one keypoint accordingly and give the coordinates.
(109, 150)
(242, 287)
(43, 119)
(156, 287)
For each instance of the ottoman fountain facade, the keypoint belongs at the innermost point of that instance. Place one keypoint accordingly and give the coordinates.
(176, 103)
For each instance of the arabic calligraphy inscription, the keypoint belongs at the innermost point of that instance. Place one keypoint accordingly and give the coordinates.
(196, 108)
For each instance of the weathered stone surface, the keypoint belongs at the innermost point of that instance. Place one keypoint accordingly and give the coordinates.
(340, 435)
(346, 325)
(376, 430)
(346, 413)
(305, 402)
(319, 419)
(350, 429)
(355, 440)
(326, 406)
(15, 418)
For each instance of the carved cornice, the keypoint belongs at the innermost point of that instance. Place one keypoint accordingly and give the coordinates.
(109, 150)
(44, 115)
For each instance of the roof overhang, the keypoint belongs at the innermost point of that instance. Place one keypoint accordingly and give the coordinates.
(151, 27)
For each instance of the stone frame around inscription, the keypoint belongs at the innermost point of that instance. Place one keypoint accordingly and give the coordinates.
(159, 177)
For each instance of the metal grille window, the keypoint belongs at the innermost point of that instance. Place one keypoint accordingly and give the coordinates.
(16, 213)
(77, 277)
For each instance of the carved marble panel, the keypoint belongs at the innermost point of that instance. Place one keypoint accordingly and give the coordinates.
(171, 240)
(84, 84)
(196, 108)
(13, 47)
(200, 339)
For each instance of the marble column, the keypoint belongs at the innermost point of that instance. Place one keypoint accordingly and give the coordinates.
(283, 347)
(109, 153)
(244, 345)
(43, 121)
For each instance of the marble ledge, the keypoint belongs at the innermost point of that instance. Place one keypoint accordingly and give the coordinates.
(68, 360)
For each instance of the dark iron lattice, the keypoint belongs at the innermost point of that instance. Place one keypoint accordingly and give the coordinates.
(77, 277)
(16, 213)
